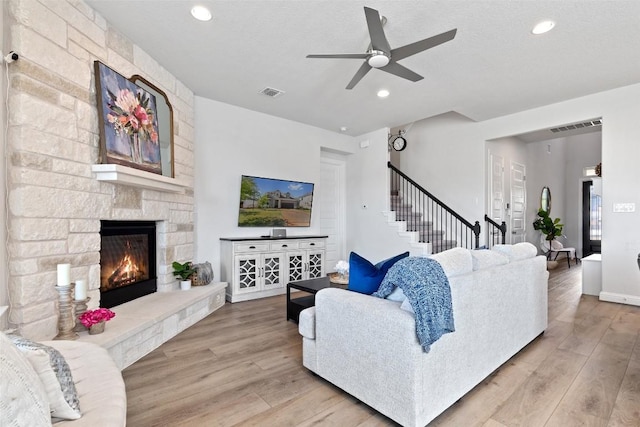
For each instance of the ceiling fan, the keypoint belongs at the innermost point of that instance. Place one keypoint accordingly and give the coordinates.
(381, 56)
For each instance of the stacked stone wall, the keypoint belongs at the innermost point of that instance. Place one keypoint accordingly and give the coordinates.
(55, 202)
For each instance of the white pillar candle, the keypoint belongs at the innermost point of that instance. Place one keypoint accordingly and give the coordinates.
(64, 274)
(81, 290)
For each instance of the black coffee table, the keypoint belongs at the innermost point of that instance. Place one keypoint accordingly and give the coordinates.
(311, 286)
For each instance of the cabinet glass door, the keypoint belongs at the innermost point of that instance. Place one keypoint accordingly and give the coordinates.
(296, 266)
(271, 272)
(247, 270)
(315, 265)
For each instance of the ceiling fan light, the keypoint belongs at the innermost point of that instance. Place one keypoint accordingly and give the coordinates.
(378, 60)
(543, 27)
(201, 13)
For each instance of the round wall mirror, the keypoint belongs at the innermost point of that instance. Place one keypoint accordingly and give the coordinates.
(545, 200)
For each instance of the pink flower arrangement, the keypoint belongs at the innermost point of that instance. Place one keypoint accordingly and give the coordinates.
(92, 317)
(130, 114)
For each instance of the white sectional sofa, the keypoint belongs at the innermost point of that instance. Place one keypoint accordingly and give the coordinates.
(368, 347)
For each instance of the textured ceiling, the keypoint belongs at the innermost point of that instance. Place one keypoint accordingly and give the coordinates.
(492, 68)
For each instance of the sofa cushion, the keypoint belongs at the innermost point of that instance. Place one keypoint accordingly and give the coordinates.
(364, 277)
(55, 374)
(454, 261)
(23, 399)
(485, 259)
(517, 252)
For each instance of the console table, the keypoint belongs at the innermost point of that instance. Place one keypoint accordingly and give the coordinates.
(258, 267)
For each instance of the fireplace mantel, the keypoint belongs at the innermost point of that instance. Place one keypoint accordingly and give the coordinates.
(137, 178)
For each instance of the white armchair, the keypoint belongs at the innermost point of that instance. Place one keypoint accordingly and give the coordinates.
(557, 248)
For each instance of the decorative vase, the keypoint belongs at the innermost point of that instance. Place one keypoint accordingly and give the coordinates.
(136, 151)
(185, 284)
(98, 328)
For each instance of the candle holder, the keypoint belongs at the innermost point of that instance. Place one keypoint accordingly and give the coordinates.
(66, 320)
(80, 308)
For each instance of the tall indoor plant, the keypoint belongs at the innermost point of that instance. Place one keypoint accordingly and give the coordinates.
(551, 228)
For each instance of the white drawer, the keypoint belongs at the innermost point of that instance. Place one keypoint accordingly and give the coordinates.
(284, 246)
(250, 247)
(312, 245)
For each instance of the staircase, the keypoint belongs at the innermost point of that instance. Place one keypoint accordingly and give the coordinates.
(426, 232)
(427, 218)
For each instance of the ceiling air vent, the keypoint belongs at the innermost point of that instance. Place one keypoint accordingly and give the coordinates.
(587, 124)
(271, 92)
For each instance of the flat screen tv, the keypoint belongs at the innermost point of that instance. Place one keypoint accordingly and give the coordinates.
(268, 202)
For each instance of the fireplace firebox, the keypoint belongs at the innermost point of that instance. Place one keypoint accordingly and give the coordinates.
(127, 261)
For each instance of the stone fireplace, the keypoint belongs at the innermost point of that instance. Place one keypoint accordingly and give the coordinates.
(57, 197)
(127, 261)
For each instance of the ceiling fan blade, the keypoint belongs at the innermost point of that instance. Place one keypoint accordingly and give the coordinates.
(364, 69)
(376, 32)
(342, 55)
(417, 47)
(400, 71)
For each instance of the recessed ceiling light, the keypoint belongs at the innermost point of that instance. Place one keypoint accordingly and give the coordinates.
(201, 13)
(343, 129)
(543, 27)
(383, 93)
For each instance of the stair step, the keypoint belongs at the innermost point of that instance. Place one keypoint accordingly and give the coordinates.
(442, 245)
(419, 225)
(431, 235)
(401, 206)
(408, 216)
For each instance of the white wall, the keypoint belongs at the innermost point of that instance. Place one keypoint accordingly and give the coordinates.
(233, 141)
(368, 196)
(547, 160)
(449, 145)
(4, 277)
(445, 154)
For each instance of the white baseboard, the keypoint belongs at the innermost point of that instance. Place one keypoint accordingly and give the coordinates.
(620, 298)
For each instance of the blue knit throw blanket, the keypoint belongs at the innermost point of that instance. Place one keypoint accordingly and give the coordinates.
(427, 288)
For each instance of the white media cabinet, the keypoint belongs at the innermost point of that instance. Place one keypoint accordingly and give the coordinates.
(262, 267)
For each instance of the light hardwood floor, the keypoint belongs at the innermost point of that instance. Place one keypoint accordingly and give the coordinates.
(242, 365)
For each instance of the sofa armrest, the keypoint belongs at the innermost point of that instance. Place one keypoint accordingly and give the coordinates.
(307, 323)
(376, 358)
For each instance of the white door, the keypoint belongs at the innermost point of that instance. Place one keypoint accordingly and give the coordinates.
(518, 203)
(331, 203)
(496, 194)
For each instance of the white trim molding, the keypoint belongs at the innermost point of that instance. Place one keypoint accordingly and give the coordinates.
(137, 178)
(620, 298)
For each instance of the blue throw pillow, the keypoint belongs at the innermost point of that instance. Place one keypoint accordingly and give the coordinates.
(365, 277)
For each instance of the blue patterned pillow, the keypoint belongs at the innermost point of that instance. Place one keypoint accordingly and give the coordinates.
(364, 277)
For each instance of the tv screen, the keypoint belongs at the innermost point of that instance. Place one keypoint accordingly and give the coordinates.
(267, 202)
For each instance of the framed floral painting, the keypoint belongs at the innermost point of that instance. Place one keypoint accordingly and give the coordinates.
(128, 122)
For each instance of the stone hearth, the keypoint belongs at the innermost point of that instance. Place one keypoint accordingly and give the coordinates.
(143, 324)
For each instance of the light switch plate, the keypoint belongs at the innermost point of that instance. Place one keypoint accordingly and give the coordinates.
(624, 207)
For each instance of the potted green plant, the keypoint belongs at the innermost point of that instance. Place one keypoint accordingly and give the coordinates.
(183, 272)
(550, 228)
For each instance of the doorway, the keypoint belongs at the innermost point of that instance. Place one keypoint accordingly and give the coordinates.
(591, 219)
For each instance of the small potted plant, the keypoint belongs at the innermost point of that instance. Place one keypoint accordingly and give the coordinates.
(95, 320)
(183, 272)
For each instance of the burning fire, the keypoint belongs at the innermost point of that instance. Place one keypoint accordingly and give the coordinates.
(125, 273)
